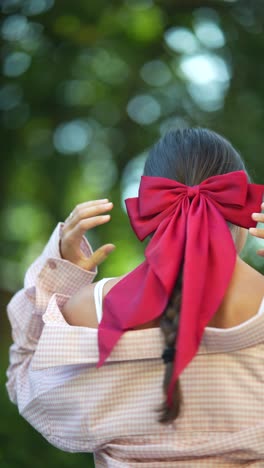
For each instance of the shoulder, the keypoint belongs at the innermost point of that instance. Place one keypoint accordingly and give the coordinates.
(80, 310)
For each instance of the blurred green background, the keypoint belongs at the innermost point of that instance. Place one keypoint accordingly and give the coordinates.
(86, 87)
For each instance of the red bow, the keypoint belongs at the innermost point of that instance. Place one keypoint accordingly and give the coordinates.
(187, 223)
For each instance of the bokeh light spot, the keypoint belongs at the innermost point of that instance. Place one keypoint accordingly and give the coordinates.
(156, 73)
(209, 33)
(144, 109)
(100, 174)
(131, 177)
(72, 137)
(16, 63)
(143, 24)
(35, 7)
(30, 218)
(181, 40)
(109, 67)
(209, 97)
(204, 68)
(14, 27)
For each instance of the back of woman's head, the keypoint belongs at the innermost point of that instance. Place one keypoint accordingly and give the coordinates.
(188, 156)
(191, 156)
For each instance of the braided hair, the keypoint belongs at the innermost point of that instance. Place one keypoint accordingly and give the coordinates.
(169, 324)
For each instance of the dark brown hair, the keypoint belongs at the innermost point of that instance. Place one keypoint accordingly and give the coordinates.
(188, 156)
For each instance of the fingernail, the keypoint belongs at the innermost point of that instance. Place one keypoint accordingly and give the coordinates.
(255, 216)
(262, 206)
(253, 230)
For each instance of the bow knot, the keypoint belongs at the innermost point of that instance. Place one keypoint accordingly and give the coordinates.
(192, 191)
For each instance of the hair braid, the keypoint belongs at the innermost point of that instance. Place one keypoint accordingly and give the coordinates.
(169, 324)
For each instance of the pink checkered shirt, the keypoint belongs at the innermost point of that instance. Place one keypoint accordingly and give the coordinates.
(110, 411)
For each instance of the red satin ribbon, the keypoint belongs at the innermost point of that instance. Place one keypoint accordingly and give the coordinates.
(187, 223)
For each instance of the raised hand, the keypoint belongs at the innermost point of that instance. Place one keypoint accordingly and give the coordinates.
(85, 216)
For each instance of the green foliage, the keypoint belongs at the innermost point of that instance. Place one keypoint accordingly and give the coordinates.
(86, 88)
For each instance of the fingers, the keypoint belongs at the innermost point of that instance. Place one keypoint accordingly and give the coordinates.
(85, 224)
(259, 217)
(85, 216)
(98, 257)
(87, 204)
(258, 232)
(80, 206)
(260, 253)
(89, 210)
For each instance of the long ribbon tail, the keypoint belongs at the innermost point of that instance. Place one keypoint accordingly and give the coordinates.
(210, 258)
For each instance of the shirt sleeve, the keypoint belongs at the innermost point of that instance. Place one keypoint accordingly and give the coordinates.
(46, 361)
(48, 274)
(52, 376)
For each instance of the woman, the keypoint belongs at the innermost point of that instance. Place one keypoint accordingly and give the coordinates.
(193, 302)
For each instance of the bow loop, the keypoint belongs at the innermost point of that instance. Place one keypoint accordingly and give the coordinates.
(229, 192)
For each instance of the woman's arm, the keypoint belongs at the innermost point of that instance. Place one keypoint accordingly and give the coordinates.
(49, 274)
(80, 309)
